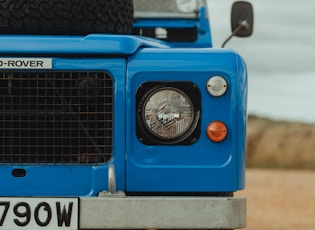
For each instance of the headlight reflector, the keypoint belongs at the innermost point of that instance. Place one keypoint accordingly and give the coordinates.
(168, 113)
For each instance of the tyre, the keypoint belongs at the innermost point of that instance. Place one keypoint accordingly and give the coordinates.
(65, 17)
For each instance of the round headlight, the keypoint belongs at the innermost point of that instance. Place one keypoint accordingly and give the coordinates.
(168, 113)
(186, 6)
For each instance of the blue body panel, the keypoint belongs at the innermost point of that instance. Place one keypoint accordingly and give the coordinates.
(204, 166)
(203, 39)
(201, 23)
(201, 167)
(95, 44)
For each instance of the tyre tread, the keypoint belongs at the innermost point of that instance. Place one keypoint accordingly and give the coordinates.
(66, 17)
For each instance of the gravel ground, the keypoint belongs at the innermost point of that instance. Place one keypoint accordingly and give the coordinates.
(280, 199)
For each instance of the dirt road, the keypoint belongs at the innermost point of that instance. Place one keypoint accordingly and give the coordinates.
(280, 199)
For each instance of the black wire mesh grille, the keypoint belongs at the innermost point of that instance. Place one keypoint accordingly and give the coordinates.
(55, 117)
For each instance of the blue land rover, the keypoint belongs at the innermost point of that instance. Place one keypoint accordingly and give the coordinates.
(119, 114)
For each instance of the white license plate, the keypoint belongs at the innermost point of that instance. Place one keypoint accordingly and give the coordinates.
(39, 213)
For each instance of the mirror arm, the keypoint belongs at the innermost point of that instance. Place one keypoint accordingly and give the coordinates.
(242, 25)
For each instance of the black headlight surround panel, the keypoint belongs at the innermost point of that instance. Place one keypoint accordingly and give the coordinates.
(190, 90)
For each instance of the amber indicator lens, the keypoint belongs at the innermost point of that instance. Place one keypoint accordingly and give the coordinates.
(217, 131)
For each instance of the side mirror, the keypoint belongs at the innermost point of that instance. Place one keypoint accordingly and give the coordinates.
(242, 16)
(242, 20)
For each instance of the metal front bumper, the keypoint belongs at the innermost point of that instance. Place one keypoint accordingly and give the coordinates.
(163, 212)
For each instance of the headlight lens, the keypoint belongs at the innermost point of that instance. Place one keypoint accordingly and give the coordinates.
(168, 113)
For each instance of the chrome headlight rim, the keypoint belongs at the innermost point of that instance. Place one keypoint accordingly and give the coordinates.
(192, 94)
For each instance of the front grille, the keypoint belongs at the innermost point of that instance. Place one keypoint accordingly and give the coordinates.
(56, 117)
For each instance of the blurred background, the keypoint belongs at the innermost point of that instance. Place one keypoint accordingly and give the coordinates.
(280, 56)
(280, 59)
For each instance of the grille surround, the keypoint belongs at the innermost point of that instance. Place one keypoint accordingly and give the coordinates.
(56, 117)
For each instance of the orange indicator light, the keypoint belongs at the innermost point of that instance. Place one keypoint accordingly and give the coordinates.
(217, 131)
